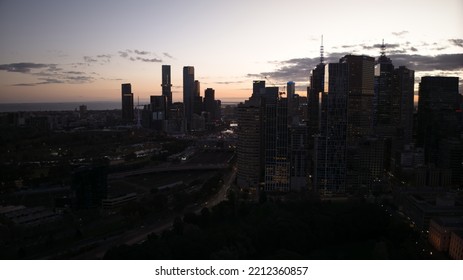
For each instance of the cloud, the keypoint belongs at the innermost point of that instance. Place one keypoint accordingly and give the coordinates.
(298, 69)
(149, 59)
(141, 52)
(101, 58)
(89, 59)
(400, 33)
(74, 72)
(45, 82)
(47, 73)
(104, 58)
(457, 42)
(413, 49)
(23, 67)
(127, 54)
(123, 54)
(442, 62)
(378, 46)
(167, 55)
(229, 82)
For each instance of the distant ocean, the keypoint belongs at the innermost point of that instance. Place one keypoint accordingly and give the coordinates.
(71, 106)
(59, 106)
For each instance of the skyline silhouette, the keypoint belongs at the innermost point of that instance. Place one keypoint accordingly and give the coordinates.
(60, 52)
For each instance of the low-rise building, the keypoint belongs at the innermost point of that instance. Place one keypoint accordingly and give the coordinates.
(456, 245)
(440, 230)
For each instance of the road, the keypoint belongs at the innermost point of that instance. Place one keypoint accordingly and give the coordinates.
(179, 167)
(139, 235)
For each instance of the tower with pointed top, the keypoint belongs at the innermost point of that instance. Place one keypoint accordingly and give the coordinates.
(314, 93)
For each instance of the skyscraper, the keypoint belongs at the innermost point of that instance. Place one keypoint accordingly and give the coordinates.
(276, 141)
(384, 109)
(197, 99)
(331, 145)
(258, 88)
(210, 104)
(188, 93)
(393, 108)
(127, 103)
(438, 107)
(166, 84)
(158, 110)
(249, 158)
(404, 81)
(290, 95)
(360, 95)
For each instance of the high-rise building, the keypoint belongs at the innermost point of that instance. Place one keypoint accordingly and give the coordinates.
(127, 103)
(197, 99)
(314, 93)
(404, 81)
(393, 107)
(360, 95)
(210, 104)
(298, 155)
(330, 170)
(438, 106)
(384, 99)
(258, 88)
(290, 95)
(158, 110)
(276, 142)
(188, 93)
(167, 84)
(249, 158)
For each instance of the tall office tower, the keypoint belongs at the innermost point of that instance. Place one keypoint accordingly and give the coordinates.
(330, 170)
(210, 104)
(450, 158)
(188, 93)
(290, 94)
(167, 84)
(197, 90)
(314, 93)
(276, 142)
(404, 86)
(158, 108)
(317, 79)
(384, 99)
(438, 106)
(360, 95)
(197, 99)
(298, 155)
(258, 88)
(249, 158)
(127, 103)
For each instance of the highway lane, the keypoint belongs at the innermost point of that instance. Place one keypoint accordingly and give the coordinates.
(139, 235)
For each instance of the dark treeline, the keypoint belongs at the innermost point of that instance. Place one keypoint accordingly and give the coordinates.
(280, 230)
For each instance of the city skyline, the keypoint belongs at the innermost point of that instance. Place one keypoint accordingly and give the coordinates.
(62, 51)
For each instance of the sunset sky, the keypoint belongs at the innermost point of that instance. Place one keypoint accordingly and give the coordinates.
(57, 50)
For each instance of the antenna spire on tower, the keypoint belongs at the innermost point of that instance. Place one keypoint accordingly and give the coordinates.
(321, 52)
(383, 49)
